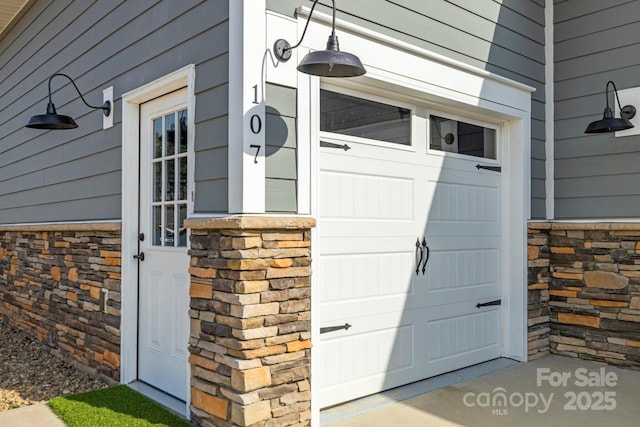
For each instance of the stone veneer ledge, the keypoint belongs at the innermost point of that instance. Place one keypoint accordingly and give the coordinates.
(240, 222)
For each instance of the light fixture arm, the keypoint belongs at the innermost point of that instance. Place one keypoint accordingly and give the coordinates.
(282, 48)
(106, 107)
(626, 112)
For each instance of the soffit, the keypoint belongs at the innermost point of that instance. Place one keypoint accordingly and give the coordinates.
(9, 9)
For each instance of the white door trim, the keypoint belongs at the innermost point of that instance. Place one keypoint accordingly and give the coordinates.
(184, 77)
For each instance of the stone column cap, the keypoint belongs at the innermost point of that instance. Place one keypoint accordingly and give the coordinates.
(250, 222)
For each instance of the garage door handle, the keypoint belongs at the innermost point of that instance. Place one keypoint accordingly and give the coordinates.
(346, 327)
(487, 304)
(489, 168)
(425, 248)
(344, 147)
(419, 252)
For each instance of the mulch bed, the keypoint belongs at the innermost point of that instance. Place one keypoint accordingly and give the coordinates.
(30, 374)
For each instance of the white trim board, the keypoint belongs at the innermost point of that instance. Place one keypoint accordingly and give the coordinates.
(246, 177)
(549, 116)
(184, 77)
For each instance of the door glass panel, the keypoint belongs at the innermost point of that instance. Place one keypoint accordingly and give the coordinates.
(182, 231)
(170, 173)
(350, 115)
(157, 225)
(182, 128)
(183, 178)
(157, 181)
(170, 168)
(169, 230)
(454, 136)
(170, 125)
(157, 138)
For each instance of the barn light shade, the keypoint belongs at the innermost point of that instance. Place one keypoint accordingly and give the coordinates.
(330, 62)
(52, 120)
(609, 123)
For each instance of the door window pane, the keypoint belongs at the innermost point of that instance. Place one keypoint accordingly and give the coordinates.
(157, 138)
(170, 125)
(454, 136)
(170, 228)
(182, 128)
(182, 231)
(157, 181)
(183, 178)
(171, 180)
(350, 115)
(157, 225)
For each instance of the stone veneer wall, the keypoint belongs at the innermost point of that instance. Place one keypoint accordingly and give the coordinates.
(592, 283)
(51, 281)
(250, 321)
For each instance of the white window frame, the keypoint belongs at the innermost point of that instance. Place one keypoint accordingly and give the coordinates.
(472, 121)
(368, 96)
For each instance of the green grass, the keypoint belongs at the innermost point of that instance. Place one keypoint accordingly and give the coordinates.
(117, 406)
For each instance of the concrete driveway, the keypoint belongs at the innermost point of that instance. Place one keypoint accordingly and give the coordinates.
(552, 391)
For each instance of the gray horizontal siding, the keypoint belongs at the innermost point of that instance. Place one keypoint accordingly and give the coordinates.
(75, 175)
(505, 37)
(596, 176)
(281, 149)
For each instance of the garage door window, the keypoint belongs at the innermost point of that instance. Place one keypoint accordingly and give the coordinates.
(454, 136)
(364, 118)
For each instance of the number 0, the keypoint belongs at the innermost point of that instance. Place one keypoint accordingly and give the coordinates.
(255, 124)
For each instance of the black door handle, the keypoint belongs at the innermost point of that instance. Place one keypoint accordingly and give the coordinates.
(425, 248)
(418, 261)
(139, 257)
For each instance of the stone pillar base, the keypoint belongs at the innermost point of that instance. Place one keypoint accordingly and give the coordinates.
(250, 321)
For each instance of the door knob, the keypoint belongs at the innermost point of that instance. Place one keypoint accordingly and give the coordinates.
(139, 257)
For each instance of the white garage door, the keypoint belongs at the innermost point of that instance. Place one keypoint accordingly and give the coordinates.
(383, 208)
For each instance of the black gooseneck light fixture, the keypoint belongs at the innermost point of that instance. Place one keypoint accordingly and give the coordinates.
(52, 120)
(325, 63)
(609, 123)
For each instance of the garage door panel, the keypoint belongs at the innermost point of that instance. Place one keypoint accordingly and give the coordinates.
(462, 269)
(380, 351)
(366, 196)
(365, 276)
(463, 338)
(454, 202)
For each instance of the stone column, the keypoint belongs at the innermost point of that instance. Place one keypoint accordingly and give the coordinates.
(250, 321)
(538, 289)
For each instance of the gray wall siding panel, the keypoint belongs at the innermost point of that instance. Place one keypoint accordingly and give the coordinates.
(279, 191)
(596, 175)
(281, 149)
(212, 196)
(505, 37)
(124, 44)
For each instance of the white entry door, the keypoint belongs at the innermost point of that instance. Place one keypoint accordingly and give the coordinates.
(163, 330)
(409, 245)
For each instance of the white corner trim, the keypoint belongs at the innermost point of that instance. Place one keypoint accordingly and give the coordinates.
(549, 113)
(375, 36)
(184, 77)
(246, 171)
